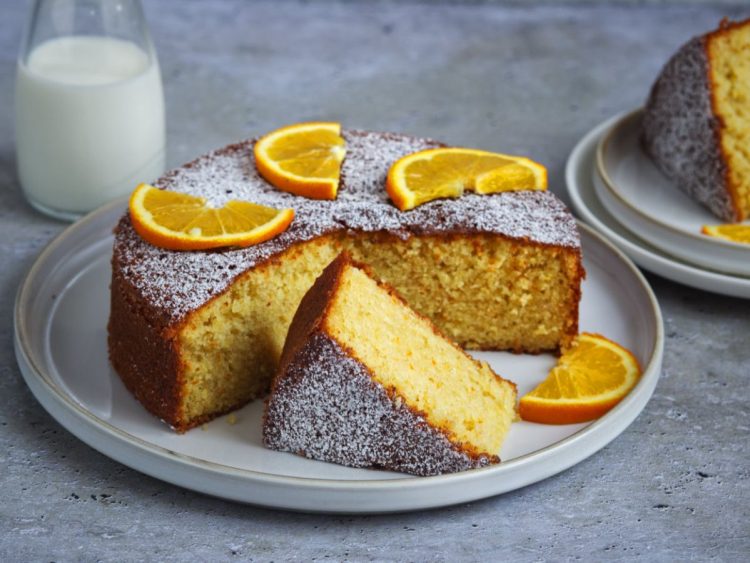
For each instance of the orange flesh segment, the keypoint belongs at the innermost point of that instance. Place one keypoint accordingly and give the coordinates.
(304, 159)
(730, 231)
(589, 379)
(179, 221)
(448, 172)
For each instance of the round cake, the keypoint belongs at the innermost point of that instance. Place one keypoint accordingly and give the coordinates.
(197, 334)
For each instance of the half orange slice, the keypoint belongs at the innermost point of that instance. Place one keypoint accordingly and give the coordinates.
(729, 231)
(304, 159)
(448, 172)
(179, 221)
(590, 378)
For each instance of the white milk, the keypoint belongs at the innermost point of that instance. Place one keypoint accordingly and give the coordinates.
(89, 122)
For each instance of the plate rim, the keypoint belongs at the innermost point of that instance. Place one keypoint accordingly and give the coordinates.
(668, 266)
(31, 369)
(600, 162)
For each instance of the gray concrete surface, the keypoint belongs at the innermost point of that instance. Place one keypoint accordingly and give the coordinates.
(674, 486)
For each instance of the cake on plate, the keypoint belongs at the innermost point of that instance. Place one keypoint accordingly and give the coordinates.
(197, 334)
(696, 125)
(365, 381)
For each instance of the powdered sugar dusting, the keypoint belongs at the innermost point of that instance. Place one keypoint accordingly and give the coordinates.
(680, 130)
(326, 406)
(176, 283)
(368, 157)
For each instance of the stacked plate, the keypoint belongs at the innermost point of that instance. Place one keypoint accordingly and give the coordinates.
(616, 188)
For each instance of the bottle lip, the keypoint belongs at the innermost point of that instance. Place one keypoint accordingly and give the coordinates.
(142, 38)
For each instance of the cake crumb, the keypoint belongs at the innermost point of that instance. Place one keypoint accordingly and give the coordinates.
(232, 419)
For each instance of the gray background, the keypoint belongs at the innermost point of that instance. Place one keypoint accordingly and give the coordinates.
(529, 80)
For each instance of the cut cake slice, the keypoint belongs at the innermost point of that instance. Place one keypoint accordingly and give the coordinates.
(365, 381)
(696, 124)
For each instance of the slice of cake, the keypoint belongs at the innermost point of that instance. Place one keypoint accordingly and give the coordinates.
(696, 125)
(194, 335)
(365, 381)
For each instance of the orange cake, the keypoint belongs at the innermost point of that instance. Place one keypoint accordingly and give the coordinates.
(365, 381)
(197, 334)
(696, 125)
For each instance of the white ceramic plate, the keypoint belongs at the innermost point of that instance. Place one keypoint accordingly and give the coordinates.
(640, 197)
(60, 338)
(578, 176)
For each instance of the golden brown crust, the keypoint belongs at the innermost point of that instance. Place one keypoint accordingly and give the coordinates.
(144, 349)
(144, 353)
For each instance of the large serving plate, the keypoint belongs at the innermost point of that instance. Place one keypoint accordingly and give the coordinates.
(578, 177)
(640, 197)
(60, 338)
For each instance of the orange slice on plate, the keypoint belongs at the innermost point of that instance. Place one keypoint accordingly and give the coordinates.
(590, 378)
(179, 221)
(447, 172)
(304, 159)
(730, 231)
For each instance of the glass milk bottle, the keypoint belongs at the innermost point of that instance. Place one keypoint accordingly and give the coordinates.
(89, 105)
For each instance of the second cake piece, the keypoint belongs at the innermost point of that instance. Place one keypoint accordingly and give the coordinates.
(364, 381)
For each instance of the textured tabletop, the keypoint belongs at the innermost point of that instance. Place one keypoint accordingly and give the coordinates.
(674, 486)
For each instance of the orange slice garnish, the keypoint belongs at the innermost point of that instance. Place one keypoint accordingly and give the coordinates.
(590, 378)
(448, 172)
(180, 221)
(729, 231)
(304, 159)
